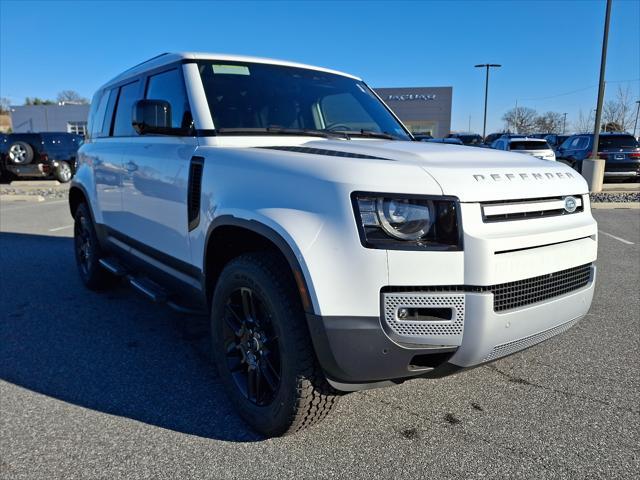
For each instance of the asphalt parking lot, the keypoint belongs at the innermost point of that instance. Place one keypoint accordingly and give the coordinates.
(112, 386)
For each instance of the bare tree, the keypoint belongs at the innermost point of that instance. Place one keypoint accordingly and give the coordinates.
(549, 122)
(38, 101)
(520, 119)
(584, 124)
(618, 113)
(71, 96)
(5, 104)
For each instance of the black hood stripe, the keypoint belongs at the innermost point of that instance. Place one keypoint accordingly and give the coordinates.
(321, 151)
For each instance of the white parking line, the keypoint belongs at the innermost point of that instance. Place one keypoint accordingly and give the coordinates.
(57, 229)
(617, 238)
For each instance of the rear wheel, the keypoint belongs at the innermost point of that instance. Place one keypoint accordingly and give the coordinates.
(88, 251)
(262, 347)
(63, 172)
(20, 153)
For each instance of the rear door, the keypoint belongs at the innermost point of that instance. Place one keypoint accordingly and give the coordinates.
(156, 174)
(110, 138)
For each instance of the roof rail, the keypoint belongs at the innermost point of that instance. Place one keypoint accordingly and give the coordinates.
(146, 61)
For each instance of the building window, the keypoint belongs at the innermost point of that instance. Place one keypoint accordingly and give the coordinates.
(79, 128)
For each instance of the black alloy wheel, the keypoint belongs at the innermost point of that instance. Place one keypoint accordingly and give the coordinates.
(251, 347)
(88, 251)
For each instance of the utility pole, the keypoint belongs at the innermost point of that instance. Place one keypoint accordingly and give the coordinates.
(593, 168)
(564, 123)
(486, 93)
(635, 125)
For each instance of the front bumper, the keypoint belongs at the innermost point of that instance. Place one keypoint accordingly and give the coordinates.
(360, 352)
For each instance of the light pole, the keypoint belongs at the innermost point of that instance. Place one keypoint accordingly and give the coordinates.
(486, 92)
(564, 122)
(635, 125)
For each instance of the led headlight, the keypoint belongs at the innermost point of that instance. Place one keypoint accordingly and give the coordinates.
(406, 222)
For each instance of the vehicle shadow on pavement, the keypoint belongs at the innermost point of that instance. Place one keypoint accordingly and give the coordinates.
(113, 352)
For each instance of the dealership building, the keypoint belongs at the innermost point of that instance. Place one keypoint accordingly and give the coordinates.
(71, 118)
(421, 109)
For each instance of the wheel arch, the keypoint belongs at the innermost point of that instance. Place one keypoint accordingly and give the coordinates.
(78, 195)
(228, 237)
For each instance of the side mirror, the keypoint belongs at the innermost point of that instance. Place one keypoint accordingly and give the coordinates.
(152, 116)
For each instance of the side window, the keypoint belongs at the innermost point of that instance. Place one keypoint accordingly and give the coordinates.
(567, 143)
(105, 131)
(96, 119)
(582, 143)
(129, 94)
(170, 87)
(574, 142)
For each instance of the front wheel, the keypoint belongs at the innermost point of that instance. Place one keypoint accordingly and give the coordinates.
(262, 347)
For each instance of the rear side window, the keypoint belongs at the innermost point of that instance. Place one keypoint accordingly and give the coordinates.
(96, 119)
(129, 94)
(170, 87)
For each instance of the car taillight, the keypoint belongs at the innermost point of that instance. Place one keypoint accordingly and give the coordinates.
(634, 155)
(603, 156)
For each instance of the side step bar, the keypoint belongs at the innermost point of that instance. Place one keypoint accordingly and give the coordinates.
(148, 288)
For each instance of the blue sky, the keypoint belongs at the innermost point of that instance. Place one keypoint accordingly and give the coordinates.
(547, 48)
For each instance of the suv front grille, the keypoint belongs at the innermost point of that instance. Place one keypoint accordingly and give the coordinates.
(504, 211)
(512, 295)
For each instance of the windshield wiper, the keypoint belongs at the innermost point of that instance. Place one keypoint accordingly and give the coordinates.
(281, 131)
(369, 134)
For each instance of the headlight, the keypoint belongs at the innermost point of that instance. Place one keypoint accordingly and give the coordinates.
(407, 222)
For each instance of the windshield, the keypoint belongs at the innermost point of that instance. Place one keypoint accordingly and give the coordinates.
(253, 98)
(616, 142)
(528, 145)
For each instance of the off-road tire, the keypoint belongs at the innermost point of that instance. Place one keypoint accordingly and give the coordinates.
(87, 259)
(304, 396)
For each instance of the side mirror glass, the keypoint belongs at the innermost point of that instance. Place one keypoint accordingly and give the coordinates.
(152, 116)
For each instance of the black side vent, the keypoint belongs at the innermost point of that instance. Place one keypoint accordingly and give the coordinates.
(322, 151)
(193, 194)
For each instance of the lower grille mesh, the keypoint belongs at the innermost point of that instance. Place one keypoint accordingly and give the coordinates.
(525, 292)
(517, 345)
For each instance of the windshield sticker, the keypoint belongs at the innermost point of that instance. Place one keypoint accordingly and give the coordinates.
(231, 69)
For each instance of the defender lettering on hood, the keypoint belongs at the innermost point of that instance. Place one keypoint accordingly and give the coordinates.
(499, 177)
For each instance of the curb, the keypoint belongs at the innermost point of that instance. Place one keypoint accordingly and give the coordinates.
(615, 205)
(32, 183)
(21, 198)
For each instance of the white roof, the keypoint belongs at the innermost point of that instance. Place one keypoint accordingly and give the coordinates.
(167, 58)
(527, 139)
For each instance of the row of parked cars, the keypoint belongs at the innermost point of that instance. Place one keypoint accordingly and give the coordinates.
(620, 150)
(41, 155)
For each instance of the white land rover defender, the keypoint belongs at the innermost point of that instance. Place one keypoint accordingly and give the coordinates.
(330, 250)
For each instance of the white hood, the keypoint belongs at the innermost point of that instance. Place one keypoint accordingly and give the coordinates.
(472, 173)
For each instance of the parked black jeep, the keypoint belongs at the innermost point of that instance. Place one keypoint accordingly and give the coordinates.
(46, 154)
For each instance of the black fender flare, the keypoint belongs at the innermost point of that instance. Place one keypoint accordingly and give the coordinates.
(275, 238)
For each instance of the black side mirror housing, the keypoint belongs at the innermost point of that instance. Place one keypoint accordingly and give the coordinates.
(153, 116)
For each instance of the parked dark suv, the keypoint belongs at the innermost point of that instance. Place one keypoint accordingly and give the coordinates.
(43, 154)
(620, 150)
(467, 138)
